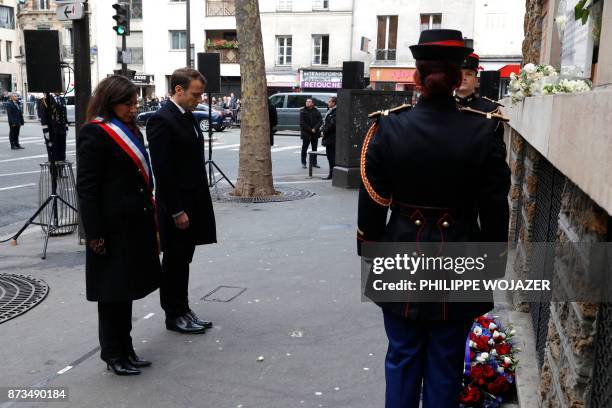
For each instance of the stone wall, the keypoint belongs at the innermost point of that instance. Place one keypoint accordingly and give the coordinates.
(567, 345)
(570, 349)
(533, 31)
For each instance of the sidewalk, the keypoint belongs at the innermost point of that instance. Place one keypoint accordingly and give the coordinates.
(301, 311)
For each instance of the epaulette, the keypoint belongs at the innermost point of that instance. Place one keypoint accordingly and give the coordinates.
(398, 109)
(491, 100)
(488, 115)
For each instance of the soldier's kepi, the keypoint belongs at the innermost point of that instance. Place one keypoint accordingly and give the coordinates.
(466, 95)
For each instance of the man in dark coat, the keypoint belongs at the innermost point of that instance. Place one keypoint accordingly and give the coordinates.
(15, 120)
(310, 123)
(328, 133)
(186, 216)
(273, 117)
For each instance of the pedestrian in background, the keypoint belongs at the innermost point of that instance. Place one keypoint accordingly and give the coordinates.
(328, 135)
(273, 117)
(310, 123)
(15, 121)
(115, 190)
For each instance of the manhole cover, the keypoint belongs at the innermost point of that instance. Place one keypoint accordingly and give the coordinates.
(18, 294)
(284, 194)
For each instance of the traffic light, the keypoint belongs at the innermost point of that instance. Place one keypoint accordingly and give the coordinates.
(122, 17)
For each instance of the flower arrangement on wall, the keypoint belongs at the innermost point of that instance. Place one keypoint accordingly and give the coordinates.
(220, 44)
(535, 80)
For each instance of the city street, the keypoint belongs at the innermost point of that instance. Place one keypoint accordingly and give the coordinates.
(20, 169)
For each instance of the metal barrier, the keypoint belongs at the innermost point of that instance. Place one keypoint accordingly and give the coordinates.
(62, 219)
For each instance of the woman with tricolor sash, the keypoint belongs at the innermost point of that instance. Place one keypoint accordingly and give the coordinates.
(115, 189)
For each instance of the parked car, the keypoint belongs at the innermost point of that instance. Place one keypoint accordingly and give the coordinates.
(288, 107)
(70, 115)
(200, 114)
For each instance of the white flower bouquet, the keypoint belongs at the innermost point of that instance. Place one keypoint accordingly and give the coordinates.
(542, 80)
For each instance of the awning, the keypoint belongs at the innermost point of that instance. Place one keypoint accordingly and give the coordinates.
(506, 70)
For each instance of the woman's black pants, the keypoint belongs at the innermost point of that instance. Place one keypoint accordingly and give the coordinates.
(115, 325)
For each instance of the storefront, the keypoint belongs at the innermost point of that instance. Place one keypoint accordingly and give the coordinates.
(318, 80)
(281, 82)
(392, 78)
(145, 84)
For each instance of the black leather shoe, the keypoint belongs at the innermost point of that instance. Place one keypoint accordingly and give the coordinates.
(326, 178)
(136, 361)
(14, 148)
(303, 166)
(19, 147)
(121, 367)
(194, 318)
(316, 165)
(184, 325)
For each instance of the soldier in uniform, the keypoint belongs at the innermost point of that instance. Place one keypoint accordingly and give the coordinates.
(466, 95)
(444, 177)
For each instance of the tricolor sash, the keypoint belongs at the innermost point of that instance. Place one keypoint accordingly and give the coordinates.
(130, 144)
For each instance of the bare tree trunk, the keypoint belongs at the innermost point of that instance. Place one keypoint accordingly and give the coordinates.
(255, 164)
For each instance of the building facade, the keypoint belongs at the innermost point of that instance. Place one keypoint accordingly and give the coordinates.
(10, 77)
(306, 41)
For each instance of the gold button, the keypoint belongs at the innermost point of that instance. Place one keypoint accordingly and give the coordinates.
(418, 223)
(445, 224)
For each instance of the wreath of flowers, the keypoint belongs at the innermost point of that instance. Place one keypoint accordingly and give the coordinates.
(490, 363)
(535, 80)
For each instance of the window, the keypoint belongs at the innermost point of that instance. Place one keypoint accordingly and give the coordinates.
(297, 101)
(320, 49)
(9, 50)
(43, 4)
(431, 21)
(320, 5)
(320, 101)
(284, 5)
(277, 101)
(178, 40)
(7, 17)
(283, 50)
(386, 42)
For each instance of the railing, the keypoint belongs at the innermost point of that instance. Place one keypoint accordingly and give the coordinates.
(216, 8)
(385, 55)
(228, 56)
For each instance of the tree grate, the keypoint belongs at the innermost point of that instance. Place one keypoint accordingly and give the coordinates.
(18, 294)
(284, 194)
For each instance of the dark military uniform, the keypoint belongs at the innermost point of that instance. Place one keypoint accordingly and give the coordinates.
(431, 172)
(443, 175)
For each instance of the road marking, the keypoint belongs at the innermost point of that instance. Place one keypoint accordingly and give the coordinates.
(150, 315)
(64, 370)
(72, 152)
(301, 182)
(20, 174)
(224, 147)
(16, 187)
(280, 149)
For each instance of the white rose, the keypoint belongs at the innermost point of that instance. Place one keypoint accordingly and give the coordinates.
(472, 344)
(512, 332)
(513, 76)
(507, 360)
(550, 70)
(493, 352)
(485, 356)
(500, 370)
(502, 335)
(492, 326)
(529, 68)
(491, 342)
(477, 331)
(496, 334)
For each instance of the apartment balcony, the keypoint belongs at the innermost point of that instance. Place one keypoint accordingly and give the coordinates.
(220, 8)
(227, 56)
